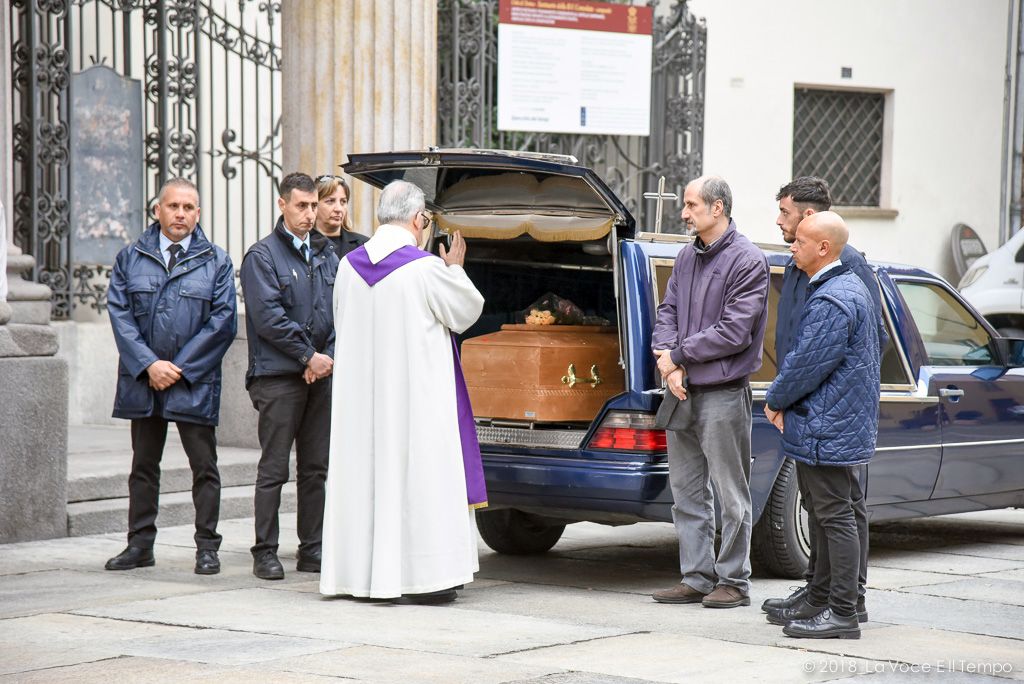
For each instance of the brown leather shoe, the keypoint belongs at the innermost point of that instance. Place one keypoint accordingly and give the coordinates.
(680, 593)
(726, 596)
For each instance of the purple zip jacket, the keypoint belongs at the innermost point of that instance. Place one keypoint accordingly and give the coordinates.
(714, 313)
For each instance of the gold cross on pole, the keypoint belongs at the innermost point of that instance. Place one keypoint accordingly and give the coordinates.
(661, 196)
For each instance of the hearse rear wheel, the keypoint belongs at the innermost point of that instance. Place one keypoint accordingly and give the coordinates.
(779, 542)
(513, 532)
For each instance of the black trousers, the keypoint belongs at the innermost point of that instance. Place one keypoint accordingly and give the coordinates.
(833, 490)
(200, 441)
(291, 412)
(860, 511)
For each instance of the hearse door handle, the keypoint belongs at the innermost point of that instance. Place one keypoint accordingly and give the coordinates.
(953, 393)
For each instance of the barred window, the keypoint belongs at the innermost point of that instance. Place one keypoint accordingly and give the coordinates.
(837, 135)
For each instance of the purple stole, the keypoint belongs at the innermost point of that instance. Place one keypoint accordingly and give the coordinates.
(476, 489)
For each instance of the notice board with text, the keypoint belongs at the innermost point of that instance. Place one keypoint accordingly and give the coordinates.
(574, 66)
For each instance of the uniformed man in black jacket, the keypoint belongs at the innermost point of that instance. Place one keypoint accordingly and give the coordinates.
(288, 283)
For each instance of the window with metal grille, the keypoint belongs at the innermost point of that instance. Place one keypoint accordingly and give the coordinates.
(837, 135)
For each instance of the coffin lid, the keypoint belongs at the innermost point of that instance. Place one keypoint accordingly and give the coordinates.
(499, 194)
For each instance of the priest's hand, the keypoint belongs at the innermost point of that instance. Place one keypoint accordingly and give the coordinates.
(457, 255)
(665, 363)
(675, 384)
(163, 374)
(320, 365)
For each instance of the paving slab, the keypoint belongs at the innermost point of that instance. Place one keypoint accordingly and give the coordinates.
(675, 658)
(437, 629)
(988, 589)
(880, 577)
(889, 651)
(950, 614)
(400, 666)
(157, 671)
(27, 643)
(934, 561)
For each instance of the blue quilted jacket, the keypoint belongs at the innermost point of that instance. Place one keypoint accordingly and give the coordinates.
(828, 386)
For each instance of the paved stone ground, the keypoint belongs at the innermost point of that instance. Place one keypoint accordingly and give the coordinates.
(947, 597)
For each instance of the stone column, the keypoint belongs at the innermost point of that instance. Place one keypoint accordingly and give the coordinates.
(33, 382)
(358, 76)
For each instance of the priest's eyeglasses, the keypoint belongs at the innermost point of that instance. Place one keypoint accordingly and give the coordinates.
(428, 220)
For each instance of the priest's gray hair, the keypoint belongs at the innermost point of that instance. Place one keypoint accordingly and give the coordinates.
(399, 203)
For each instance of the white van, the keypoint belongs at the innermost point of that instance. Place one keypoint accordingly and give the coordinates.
(994, 285)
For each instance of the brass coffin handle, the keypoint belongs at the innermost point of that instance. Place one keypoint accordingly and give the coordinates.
(571, 379)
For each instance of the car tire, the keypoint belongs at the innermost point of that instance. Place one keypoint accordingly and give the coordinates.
(513, 532)
(779, 542)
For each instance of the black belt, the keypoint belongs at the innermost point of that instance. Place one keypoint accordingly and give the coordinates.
(728, 384)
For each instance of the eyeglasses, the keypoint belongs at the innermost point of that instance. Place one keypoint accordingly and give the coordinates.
(327, 178)
(427, 219)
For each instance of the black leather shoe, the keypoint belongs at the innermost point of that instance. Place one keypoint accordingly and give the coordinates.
(131, 558)
(430, 598)
(207, 562)
(824, 625)
(309, 562)
(788, 602)
(266, 566)
(801, 611)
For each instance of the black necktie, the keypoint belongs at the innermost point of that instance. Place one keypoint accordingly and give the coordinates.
(174, 249)
(304, 250)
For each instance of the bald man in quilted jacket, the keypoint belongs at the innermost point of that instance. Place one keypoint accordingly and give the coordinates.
(825, 401)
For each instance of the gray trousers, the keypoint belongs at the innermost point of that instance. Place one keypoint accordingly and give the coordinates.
(709, 445)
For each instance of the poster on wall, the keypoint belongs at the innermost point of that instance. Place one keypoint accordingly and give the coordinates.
(574, 66)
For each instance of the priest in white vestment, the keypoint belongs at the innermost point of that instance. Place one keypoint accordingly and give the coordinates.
(405, 474)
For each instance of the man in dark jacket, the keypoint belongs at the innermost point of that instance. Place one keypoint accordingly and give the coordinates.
(708, 340)
(288, 283)
(825, 401)
(172, 307)
(799, 199)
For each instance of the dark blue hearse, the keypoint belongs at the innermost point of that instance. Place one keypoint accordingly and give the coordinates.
(951, 430)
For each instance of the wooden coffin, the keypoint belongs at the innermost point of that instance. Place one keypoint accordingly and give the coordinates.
(523, 372)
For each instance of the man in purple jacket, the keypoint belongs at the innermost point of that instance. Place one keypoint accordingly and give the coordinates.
(708, 340)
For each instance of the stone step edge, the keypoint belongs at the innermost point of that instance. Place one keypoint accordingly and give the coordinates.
(172, 480)
(111, 515)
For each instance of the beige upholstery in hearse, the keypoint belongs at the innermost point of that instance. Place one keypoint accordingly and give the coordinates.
(508, 205)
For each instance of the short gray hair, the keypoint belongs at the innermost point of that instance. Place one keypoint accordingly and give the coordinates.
(180, 183)
(715, 188)
(400, 202)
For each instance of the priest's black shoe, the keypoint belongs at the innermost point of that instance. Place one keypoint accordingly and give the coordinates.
(131, 558)
(430, 598)
(207, 562)
(308, 562)
(824, 625)
(788, 602)
(801, 611)
(266, 566)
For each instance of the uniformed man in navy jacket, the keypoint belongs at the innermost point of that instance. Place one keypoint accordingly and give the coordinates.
(288, 283)
(172, 305)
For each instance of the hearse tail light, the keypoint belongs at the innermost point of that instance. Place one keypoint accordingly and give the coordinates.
(622, 431)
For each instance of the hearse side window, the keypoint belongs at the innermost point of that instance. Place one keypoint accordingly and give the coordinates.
(952, 336)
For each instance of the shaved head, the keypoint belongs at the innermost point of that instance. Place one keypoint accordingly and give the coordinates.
(820, 239)
(828, 225)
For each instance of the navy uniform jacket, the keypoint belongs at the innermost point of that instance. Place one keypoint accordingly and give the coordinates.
(187, 317)
(288, 303)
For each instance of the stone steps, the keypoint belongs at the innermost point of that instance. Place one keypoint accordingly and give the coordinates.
(99, 461)
(111, 515)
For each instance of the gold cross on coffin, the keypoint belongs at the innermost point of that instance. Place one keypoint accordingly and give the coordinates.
(661, 196)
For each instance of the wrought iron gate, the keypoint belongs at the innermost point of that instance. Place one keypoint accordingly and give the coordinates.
(210, 74)
(468, 93)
